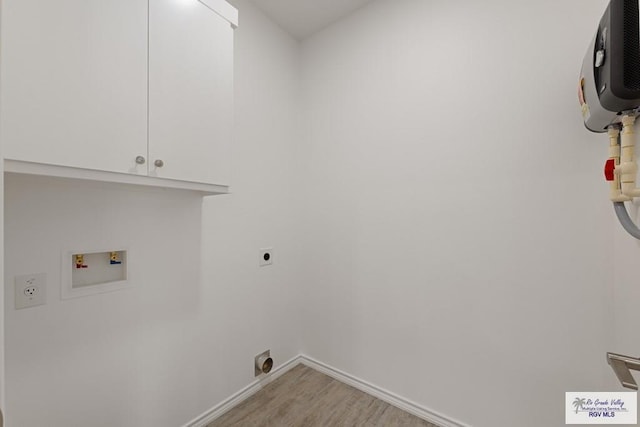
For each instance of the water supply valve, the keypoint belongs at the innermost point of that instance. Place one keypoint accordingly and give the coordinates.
(609, 169)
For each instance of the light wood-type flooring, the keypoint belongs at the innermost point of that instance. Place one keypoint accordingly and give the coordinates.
(304, 397)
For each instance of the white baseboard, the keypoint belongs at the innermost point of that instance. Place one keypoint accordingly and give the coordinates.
(236, 399)
(375, 391)
(382, 394)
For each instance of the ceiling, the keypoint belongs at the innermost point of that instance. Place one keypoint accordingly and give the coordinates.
(301, 18)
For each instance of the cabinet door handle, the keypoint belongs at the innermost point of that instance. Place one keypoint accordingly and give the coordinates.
(140, 160)
(159, 163)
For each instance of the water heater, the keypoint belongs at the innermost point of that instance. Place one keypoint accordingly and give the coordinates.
(610, 77)
(609, 94)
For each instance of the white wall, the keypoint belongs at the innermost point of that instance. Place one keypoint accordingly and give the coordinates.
(627, 290)
(458, 229)
(2, 317)
(184, 338)
(403, 254)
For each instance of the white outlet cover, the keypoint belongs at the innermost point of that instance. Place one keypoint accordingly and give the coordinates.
(31, 290)
(266, 256)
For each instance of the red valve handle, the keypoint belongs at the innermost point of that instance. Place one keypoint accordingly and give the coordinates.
(609, 168)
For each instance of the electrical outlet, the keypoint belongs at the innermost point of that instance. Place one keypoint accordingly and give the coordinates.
(266, 256)
(31, 290)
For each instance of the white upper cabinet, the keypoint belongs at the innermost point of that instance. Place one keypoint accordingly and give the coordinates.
(190, 91)
(74, 83)
(133, 91)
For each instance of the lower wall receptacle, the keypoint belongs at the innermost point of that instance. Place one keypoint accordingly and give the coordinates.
(30, 290)
(263, 363)
(91, 272)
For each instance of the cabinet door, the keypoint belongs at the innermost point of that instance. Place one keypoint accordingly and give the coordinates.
(190, 91)
(74, 82)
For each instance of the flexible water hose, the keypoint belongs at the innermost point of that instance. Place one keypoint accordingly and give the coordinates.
(625, 219)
